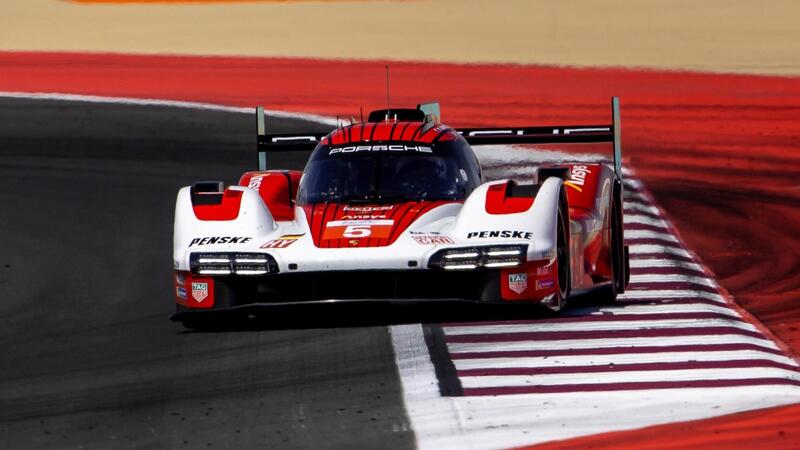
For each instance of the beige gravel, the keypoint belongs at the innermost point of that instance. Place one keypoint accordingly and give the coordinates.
(714, 35)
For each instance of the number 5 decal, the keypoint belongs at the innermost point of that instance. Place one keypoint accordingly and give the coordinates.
(357, 231)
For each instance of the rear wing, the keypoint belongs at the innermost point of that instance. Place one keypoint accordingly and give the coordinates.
(611, 133)
(554, 135)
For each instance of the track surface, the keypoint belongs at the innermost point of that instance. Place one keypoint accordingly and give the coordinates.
(88, 355)
(123, 374)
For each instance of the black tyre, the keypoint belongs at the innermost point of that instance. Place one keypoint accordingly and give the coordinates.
(609, 293)
(562, 254)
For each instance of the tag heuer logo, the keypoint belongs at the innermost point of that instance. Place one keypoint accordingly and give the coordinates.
(199, 291)
(518, 282)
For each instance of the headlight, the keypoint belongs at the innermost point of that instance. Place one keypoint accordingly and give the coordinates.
(490, 257)
(232, 263)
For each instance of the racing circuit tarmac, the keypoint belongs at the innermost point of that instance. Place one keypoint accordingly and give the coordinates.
(92, 360)
(90, 357)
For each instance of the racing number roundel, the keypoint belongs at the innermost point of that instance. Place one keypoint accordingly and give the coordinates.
(356, 229)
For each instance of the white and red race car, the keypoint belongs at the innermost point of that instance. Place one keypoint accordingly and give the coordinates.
(396, 208)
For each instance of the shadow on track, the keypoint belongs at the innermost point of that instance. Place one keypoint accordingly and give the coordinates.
(378, 313)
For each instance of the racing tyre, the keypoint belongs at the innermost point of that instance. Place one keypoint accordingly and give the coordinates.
(608, 294)
(562, 254)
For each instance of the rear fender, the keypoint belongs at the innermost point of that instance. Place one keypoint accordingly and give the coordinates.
(278, 189)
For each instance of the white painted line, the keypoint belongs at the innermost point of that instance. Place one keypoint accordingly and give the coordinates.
(632, 183)
(430, 414)
(637, 244)
(669, 294)
(654, 249)
(629, 202)
(519, 420)
(637, 196)
(566, 344)
(167, 103)
(616, 359)
(646, 208)
(628, 377)
(629, 219)
(647, 234)
(655, 262)
(658, 308)
(610, 326)
(672, 278)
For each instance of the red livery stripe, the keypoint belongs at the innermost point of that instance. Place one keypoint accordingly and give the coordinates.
(616, 351)
(599, 334)
(391, 131)
(657, 366)
(632, 386)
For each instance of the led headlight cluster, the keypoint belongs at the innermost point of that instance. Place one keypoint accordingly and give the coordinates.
(489, 257)
(232, 264)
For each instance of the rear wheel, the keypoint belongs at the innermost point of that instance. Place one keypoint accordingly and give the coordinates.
(562, 254)
(618, 257)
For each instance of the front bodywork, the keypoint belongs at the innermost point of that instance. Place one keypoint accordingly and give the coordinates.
(496, 246)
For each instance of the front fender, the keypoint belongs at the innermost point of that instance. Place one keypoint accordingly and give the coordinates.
(253, 221)
(538, 223)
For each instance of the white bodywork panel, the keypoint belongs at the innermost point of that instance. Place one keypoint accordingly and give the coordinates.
(453, 220)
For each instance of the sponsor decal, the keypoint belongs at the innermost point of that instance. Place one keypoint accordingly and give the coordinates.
(338, 229)
(255, 182)
(546, 270)
(548, 254)
(366, 212)
(199, 291)
(283, 241)
(181, 291)
(363, 216)
(381, 148)
(545, 284)
(577, 177)
(518, 282)
(511, 234)
(431, 239)
(367, 209)
(220, 240)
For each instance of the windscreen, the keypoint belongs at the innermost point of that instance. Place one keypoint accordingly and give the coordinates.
(376, 173)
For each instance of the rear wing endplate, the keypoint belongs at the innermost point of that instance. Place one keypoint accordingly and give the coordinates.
(266, 143)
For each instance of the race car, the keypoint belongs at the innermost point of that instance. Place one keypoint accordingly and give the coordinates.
(396, 208)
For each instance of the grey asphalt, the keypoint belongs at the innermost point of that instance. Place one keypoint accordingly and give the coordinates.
(88, 358)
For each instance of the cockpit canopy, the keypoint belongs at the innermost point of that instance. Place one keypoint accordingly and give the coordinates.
(378, 172)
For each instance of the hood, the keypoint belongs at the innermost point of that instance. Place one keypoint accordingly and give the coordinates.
(335, 225)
